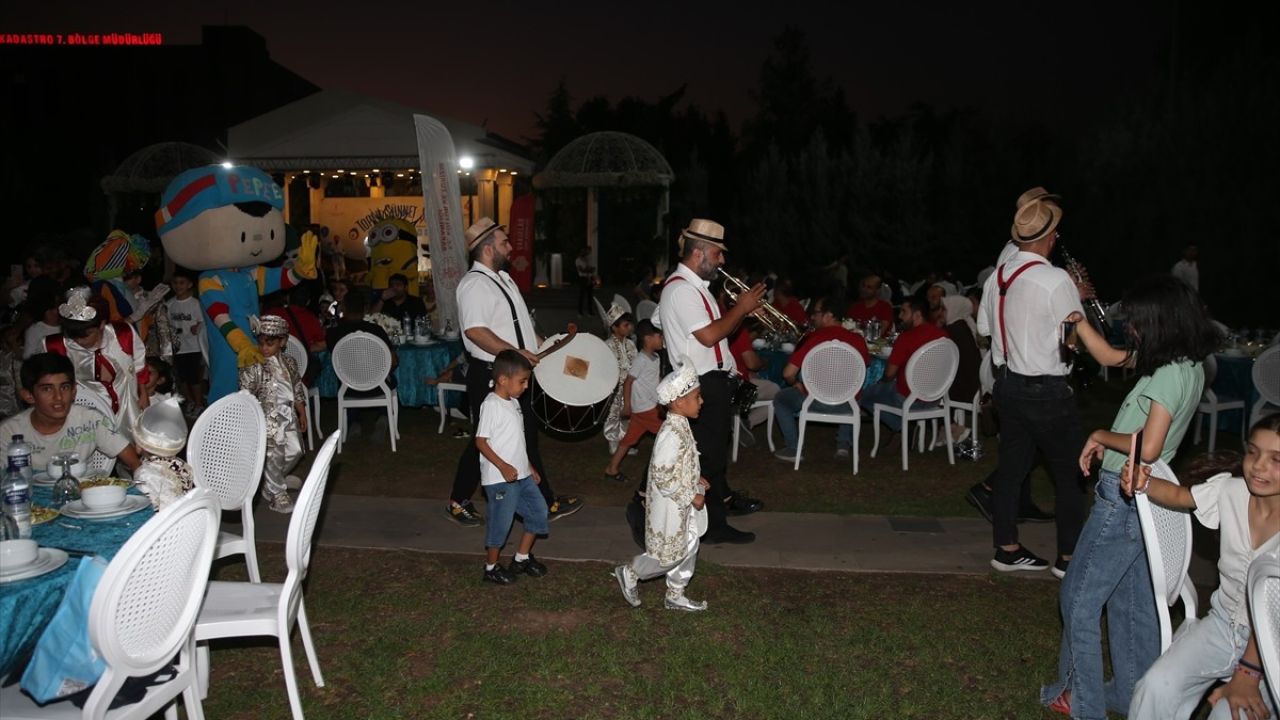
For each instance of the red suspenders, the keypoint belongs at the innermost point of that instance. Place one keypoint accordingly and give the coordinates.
(1004, 289)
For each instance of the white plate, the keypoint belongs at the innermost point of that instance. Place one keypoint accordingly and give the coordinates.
(47, 560)
(131, 504)
(43, 479)
(423, 343)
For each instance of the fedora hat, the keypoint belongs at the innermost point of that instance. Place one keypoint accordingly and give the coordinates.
(480, 230)
(1036, 193)
(707, 231)
(1035, 220)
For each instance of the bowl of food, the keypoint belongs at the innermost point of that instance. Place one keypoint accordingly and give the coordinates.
(103, 493)
(17, 553)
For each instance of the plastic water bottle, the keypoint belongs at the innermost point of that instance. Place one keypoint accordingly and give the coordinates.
(17, 500)
(18, 455)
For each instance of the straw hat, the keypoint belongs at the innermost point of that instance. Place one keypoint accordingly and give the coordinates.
(1036, 193)
(481, 230)
(707, 231)
(1035, 220)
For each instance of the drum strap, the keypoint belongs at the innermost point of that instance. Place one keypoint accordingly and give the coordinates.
(511, 304)
(707, 306)
(1004, 286)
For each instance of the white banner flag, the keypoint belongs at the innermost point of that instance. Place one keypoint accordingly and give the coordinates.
(443, 215)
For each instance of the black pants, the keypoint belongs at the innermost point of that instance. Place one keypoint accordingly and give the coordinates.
(712, 431)
(467, 477)
(586, 299)
(1037, 413)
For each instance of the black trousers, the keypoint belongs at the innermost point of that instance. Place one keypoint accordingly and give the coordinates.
(712, 432)
(586, 287)
(1037, 413)
(467, 477)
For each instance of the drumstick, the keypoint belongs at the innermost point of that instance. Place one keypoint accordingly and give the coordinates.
(572, 330)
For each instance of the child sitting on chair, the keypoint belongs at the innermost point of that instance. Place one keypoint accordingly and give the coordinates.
(277, 385)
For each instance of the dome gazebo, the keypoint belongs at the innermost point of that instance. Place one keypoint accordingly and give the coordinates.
(148, 171)
(607, 159)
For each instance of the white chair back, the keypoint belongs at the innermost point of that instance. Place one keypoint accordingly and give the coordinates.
(645, 310)
(296, 350)
(361, 361)
(98, 463)
(1266, 375)
(297, 549)
(1264, 605)
(833, 372)
(932, 369)
(1166, 534)
(622, 303)
(227, 448)
(147, 601)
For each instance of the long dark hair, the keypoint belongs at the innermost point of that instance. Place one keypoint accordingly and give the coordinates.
(1169, 323)
(1203, 467)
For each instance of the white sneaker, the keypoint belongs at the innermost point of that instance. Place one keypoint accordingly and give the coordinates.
(282, 503)
(684, 604)
(842, 453)
(628, 585)
(634, 451)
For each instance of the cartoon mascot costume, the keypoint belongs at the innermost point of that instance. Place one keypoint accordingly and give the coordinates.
(226, 222)
(393, 249)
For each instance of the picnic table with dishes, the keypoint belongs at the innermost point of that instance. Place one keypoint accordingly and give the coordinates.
(417, 361)
(30, 594)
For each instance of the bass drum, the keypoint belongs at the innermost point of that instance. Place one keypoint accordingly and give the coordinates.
(573, 387)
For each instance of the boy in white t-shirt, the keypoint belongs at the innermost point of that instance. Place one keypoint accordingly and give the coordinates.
(186, 318)
(509, 481)
(639, 397)
(54, 423)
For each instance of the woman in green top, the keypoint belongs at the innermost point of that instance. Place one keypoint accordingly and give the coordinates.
(1169, 335)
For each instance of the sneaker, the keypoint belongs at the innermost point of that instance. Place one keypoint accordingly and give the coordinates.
(1020, 559)
(980, 498)
(1033, 514)
(499, 575)
(740, 503)
(293, 482)
(530, 567)
(464, 515)
(282, 504)
(563, 506)
(1062, 704)
(628, 585)
(460, 433)
(680, 602)
(788, 454)
(1059, 568)
(842, 453)
(633, 451)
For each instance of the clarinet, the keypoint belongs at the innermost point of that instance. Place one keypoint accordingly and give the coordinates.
(1091, 305)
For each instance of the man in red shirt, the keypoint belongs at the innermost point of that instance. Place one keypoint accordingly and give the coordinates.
(869, 306)
(828, 313)
(893, 389)
(784, 299)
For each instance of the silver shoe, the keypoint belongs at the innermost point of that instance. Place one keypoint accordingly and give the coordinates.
(680, 602)
(628, 588)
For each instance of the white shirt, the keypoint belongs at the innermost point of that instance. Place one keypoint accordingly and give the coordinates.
(644, 387)
(1222, 503)
(33, 340)
(683, 313)
(502, 424)
(583, 266)
(84, 431)
(481, 304)
(1188, 272)
(184, 315)
(1035, 306)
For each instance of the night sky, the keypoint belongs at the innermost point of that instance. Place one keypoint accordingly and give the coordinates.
(497, 62)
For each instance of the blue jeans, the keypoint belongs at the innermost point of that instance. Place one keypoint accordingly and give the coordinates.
(1109, 569)
(886, 393)
(507, 499)
(786, 411)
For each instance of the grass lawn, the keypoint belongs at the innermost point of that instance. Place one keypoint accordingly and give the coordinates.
(403, 635)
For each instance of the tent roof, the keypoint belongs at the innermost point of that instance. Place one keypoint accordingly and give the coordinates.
(335, 129)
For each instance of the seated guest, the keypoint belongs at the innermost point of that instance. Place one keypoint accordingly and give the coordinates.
(828, 312)
(54, 423)
(750, 364)
(934, 295)
(892, 389)
(352, 320)
(960, 327)
(869, 306)
(303, 324)
(784, 298)
(398, 303)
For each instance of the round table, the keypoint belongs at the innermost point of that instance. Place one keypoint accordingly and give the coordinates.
(417, 362)
(776, 360)
(27, 606)
(1234, 382)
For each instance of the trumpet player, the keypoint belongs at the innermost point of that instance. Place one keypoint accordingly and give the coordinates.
(695, 332)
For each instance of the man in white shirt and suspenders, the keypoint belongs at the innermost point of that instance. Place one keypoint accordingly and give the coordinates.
(695, 332)
(1024, 305)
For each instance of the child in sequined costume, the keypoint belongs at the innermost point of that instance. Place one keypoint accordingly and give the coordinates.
(277, 385)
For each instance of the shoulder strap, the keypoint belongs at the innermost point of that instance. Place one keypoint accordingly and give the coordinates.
(124, 334)
(1004, 286)
(510, 303)
(56, 343)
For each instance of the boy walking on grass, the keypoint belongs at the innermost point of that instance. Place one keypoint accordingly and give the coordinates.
(509, 481)
(677, 516)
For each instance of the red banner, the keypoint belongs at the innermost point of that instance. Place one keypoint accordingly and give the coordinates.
(520, 232)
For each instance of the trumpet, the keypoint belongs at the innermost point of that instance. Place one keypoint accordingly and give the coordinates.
(768, 315)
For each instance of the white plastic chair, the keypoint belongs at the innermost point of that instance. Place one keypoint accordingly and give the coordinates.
(974, 406)
(296, 350)
(442, 405)
(141, 617)
(237, 609)
(1166, 534)
(645, 310)
(1266, 378)
(739, 423)
(362, 362)
(99, 463)
(833, 372)
(930, 372)
(1211, 404)
(604, 312)
(621, 302)
(226, 451)
(1263, 587)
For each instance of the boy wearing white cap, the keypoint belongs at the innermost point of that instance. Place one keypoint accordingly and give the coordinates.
(277, 385)
(676, 515)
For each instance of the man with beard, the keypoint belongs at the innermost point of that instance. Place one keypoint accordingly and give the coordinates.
(695, 332)
(494, 318)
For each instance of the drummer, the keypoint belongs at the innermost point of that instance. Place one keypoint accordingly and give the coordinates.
(695, 331)
(494, 318)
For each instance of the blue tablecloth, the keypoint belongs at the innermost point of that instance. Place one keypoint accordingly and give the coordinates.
(27, 606)
(776, 360)
(1234, 382)
(417, 362)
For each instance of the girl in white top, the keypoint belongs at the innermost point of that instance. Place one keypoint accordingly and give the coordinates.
(1246, 511)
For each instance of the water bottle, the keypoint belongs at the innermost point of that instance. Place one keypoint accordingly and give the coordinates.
(406, 327)
(17, 500)
(18, 456)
